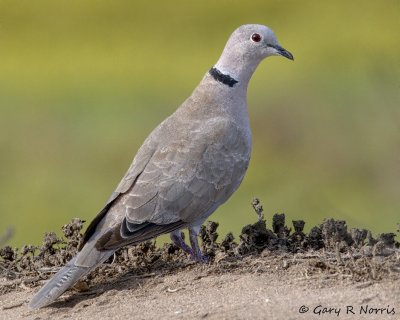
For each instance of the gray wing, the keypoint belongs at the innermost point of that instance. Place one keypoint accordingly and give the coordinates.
(140, 161)
(185, 180)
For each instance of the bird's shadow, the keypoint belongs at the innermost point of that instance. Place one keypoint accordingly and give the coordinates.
(122, 283)
(127, 281)
(97, 290)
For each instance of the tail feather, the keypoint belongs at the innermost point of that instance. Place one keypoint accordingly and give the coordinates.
(64, 279)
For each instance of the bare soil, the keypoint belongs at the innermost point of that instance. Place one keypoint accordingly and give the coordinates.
(277, 273)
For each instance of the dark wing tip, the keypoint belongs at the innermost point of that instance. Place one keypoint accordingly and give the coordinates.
(91, 229)
(107, 240)
(130, 233)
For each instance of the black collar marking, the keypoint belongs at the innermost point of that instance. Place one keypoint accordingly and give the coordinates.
(224, 78)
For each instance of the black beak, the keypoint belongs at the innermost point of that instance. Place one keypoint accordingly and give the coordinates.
(283, 52)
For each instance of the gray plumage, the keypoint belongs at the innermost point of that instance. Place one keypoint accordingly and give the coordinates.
(187, 167)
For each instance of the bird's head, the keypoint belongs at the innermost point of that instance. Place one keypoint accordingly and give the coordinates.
(246, 48)
(254, 41)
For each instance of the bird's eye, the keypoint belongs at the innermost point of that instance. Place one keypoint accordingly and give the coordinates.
(255, 37)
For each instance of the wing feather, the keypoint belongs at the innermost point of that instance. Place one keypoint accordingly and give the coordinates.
(184, 181)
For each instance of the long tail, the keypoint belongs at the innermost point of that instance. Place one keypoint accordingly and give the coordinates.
(68, 276)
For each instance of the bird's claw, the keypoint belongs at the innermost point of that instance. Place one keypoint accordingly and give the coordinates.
(201, 258)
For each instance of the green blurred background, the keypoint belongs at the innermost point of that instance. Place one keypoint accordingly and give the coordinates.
(82, 83)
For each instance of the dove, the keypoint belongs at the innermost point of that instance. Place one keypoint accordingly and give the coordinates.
(186, 168)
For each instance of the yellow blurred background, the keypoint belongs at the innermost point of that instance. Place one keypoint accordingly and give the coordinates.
(82, 83)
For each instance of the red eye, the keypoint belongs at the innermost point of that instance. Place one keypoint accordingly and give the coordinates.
(256, 37)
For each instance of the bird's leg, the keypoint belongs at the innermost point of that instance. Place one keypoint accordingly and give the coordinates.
(177, 239)
(197, 254)
(193, 251)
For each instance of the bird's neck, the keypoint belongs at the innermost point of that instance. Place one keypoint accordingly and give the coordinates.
(236, 69)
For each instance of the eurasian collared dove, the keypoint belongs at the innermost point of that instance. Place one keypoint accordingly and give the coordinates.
(186, 168)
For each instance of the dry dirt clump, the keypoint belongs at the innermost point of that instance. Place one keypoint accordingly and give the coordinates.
(329, 250)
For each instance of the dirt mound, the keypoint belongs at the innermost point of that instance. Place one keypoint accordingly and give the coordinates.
(329, 249)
